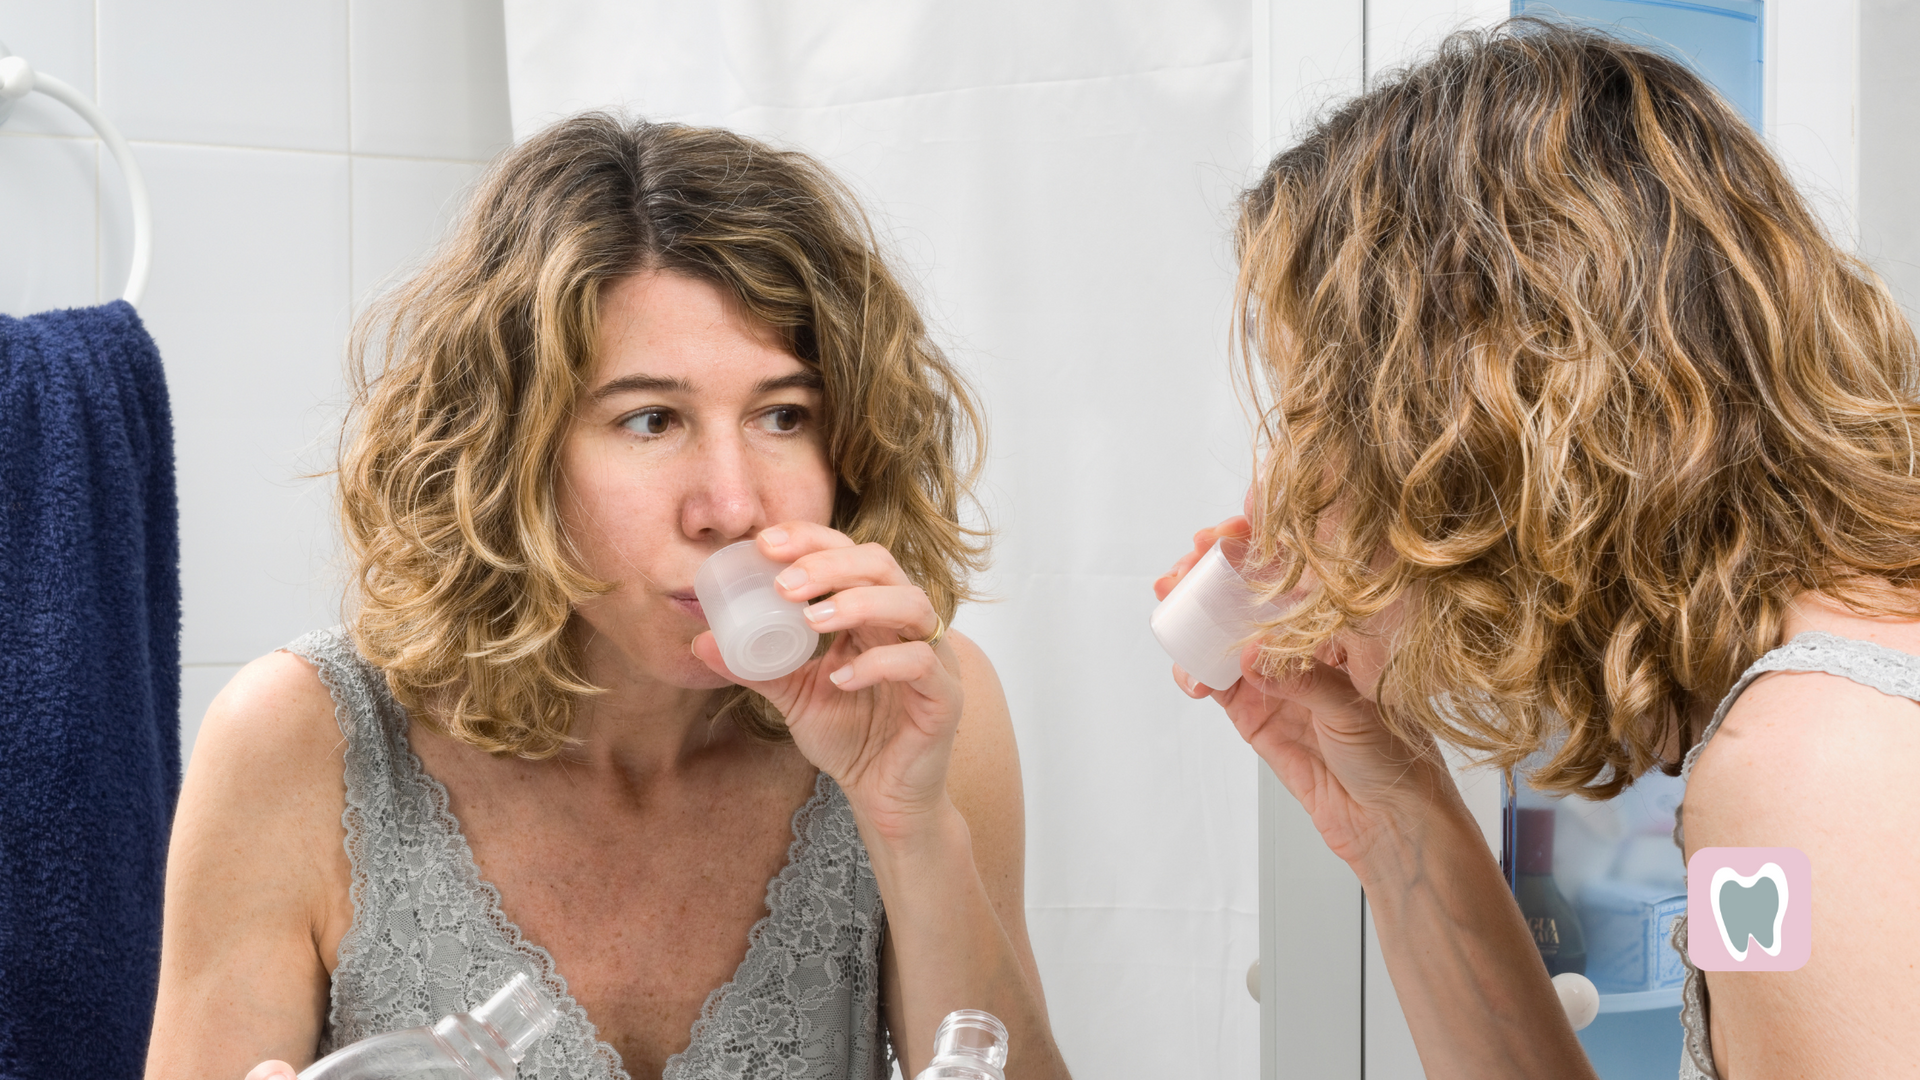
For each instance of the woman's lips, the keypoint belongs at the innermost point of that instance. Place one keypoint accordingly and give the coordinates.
(688, 603)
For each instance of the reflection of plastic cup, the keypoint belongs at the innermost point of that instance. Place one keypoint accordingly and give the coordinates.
(762, 635)
(1207, 618)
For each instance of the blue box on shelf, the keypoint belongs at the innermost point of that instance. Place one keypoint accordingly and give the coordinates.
(1629, 930)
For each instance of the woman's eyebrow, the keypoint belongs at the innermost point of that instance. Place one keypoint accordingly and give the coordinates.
(656, 384)
(643, 384)
(799, 380)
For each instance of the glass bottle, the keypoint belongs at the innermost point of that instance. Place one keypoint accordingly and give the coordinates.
(485, 1044)
(1550, 919)
(970, 1045)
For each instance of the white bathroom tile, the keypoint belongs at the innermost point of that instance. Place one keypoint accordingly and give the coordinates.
(249, 304)
(430, 79)
(46, 223)
(56, 37)
(401, 209)
(226, 72)
(199, 685)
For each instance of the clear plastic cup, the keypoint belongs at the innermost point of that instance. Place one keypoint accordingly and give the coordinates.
(762, 635)
(1205, 622)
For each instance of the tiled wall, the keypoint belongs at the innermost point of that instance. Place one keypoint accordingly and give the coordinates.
(1889, 152)
(298, 154)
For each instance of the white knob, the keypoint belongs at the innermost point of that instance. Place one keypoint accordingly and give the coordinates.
(1579, 997)
(16, 78)
(1253, 979)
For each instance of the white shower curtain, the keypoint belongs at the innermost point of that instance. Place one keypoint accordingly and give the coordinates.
(1059, 178)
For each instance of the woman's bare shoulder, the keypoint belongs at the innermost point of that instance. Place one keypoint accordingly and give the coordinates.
(984, 779)
(1795, 734)
(275, 713)
(257, 878)
(1815, 761)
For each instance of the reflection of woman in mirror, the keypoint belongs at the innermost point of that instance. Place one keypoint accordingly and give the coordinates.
(1575, 415)
(645, 343)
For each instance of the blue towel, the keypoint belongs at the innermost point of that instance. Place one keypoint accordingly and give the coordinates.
(89, 690)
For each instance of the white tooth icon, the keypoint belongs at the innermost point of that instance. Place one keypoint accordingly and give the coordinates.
(1772, 873)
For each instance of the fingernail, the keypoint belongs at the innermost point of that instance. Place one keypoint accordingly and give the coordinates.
(820, 612)
(792, 578)
(840, 677)
(775, 536)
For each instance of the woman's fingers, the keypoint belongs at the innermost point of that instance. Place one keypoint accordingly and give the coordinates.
(903, 609)
(911, 662)
(1323, 690)
(272, 1070)
(824, 561)
(707, 648)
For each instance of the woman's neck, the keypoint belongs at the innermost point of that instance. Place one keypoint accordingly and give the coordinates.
(640, 724)
(1816, 611)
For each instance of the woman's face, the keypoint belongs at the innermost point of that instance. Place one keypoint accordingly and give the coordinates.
(697, 429)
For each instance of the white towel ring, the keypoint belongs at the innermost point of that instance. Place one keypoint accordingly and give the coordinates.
(17, 80)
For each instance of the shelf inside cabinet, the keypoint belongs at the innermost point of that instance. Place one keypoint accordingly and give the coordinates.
(1641, 1001)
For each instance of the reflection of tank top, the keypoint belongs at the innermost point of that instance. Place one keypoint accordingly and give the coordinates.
(1890, 671)
(428, 937)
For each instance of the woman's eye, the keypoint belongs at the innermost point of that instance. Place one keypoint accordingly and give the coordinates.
(651, 422)
(784, 419)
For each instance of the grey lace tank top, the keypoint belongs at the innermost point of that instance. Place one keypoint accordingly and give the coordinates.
(1890, 671)
(428, 936)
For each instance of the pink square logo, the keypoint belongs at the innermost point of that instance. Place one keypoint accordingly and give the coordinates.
(1749, 909)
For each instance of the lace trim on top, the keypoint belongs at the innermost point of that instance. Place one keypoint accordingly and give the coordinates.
(1890, 671)
(429, 937)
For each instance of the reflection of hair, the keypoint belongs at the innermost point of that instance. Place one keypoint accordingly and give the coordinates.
(1555, 356)
(464, 582)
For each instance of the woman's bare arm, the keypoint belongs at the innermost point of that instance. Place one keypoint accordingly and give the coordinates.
(1465, 970)
(257, 878)
(956, 915)
(1823, 764)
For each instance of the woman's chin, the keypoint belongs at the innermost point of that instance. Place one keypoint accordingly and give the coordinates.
(694, 674)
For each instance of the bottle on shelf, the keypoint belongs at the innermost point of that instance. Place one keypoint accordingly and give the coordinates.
(1550, 918)
(485, 1044)
(970, 1045)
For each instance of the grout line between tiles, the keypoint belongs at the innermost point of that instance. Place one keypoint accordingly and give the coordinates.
(352, 285)
(99, 215)
(181, 145)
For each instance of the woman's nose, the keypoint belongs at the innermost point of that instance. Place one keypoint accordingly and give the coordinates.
(721, 496)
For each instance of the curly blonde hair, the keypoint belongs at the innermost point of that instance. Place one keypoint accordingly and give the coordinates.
(1548, 349)
(465, 584)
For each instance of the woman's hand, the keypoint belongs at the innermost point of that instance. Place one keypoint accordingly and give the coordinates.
(272, 1070)
(878, 711)
(1324, 739)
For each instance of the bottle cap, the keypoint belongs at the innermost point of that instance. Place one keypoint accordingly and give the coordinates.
(1534, 842)
(519, 1014)
(761, 634)
(969, 1043)
(1207, 618)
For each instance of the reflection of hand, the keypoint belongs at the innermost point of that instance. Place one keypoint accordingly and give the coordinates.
(1322, 738)
(878, 711)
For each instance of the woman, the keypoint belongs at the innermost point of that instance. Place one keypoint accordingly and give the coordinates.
(645, 343)
(1576, 416)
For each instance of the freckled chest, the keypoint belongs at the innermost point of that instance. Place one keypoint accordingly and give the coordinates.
(644, 898)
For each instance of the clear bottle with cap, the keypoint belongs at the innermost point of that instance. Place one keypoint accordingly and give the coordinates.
(485, 1044)
(970, 1045)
